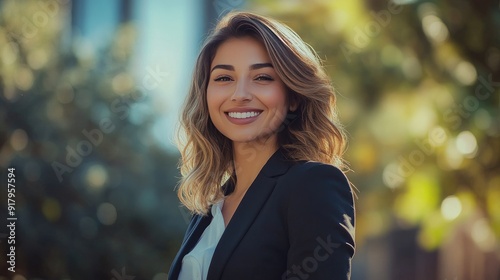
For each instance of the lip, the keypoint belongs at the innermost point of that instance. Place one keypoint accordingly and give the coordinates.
(243, 109)
(242, 121)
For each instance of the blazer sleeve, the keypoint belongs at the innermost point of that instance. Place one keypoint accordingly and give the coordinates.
(320, 219)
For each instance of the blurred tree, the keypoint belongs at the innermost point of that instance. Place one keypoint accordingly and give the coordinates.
(94, 190)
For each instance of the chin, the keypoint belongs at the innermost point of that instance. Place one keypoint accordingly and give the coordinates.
(242, 138)
(261, 139)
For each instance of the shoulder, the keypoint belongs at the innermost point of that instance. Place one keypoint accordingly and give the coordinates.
(312, 176)
(315, 168)
(316, 187)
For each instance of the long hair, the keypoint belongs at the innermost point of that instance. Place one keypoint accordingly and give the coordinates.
(314, 134)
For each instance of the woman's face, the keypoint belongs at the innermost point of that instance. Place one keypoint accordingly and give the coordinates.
(246, 98)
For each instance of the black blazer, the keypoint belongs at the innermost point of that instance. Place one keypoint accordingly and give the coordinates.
(296, 221)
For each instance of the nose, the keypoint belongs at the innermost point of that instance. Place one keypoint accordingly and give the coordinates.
(241, 92)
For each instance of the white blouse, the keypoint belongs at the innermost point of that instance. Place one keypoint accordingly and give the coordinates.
(195, 264)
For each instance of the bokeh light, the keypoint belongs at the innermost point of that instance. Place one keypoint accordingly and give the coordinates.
(37, 58)
(466, 144)
(24, 78)
(483, 236)
(65, 93)
(453, 157)
(451, 207)
(51, 209)
(19, 140)
(434, 28)
(122, 83)
(106, 213)
(97, 176)
(465, 73)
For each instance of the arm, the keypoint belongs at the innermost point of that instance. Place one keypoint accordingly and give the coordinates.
(320, 224)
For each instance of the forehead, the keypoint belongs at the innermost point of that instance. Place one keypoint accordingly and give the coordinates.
(241, 50)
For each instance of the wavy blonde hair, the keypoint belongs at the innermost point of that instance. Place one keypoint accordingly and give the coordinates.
(315, 134)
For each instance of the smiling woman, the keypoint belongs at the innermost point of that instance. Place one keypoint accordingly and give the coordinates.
(261, 162)
(246, 98)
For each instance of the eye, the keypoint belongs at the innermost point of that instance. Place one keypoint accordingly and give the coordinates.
(222, 79)
(264, 78)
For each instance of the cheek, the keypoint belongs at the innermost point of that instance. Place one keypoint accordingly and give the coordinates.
(213, 101)
(276, 102)
(271, 95)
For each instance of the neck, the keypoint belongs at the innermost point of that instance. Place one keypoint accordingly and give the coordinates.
(248, 159)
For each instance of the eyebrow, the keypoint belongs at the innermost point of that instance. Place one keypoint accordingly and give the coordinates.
(252, 67)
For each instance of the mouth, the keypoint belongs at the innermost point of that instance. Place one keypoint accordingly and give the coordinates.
(243, 115)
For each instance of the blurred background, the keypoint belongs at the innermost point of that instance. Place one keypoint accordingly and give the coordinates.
(89, 100)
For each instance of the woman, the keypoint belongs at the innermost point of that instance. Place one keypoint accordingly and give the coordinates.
(260, 162)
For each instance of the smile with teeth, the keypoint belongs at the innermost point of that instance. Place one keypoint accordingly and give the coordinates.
(243, 115)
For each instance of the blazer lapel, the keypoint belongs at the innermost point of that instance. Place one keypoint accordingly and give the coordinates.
(247, 211)
(197, 226)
